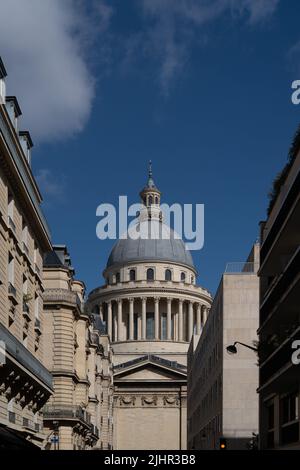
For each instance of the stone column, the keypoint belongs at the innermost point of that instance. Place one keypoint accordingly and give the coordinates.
(204, 313)
(131, 319)
(109, 320)
(191, 320)
(119, 319)
(144, 304)
(101, 312)
(180, 313)
(169, 318)
(156, 318)
(198, 327)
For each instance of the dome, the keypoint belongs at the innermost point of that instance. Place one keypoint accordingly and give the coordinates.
(163, 245)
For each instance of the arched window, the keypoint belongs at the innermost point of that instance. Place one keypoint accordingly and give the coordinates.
(150, 200)
(168, 275)
(118, 278)
(150, 274)
(132, 274)
(192, 279)
(156, 200)
(182, 277)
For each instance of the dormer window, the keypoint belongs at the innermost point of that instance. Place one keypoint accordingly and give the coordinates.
(26, 144)
(13, 110)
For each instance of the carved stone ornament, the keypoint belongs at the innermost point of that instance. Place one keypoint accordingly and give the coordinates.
(127, 400)
(149, 400)
(171, 400)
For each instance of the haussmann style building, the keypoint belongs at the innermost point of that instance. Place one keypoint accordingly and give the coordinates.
(150, 306)
(79, 358)
(25, 382)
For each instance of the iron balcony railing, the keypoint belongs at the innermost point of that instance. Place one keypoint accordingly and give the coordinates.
(241, 268)
(66, 412)
(21, 355)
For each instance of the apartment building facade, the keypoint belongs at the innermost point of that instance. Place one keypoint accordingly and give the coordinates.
(25, 383)
(279, 324)
(79, 360)
(222, 402)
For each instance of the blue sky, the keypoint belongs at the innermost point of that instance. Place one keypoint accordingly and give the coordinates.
(205, 93)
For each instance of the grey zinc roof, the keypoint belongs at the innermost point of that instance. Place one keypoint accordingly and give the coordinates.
(164, 247)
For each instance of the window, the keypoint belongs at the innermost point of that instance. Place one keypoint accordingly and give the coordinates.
(168, 275)
(150, 274)
(192, 279)
(10, 208)
(150, 326)
(24, 233)
(118, 278)
(289, 419)
(11, 269)
(163, 326)
(132, 274)
(150, 200)
(36, 306)
(182, 277)
(156, 200)
(135, 326)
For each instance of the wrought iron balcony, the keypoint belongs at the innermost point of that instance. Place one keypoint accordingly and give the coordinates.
(66, 412)
(21, 355)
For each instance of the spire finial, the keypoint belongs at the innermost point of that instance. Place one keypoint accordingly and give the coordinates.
(150, 169)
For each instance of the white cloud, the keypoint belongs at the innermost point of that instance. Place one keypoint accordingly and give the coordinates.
(49, 186)
(170, 26)
(44, 45)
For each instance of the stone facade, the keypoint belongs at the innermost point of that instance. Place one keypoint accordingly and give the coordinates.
(25, 384)
(79, 360)
(222, 399)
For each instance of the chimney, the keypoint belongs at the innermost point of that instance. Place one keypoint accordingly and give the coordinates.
(2, 82)
(26, 144)
(13, 109)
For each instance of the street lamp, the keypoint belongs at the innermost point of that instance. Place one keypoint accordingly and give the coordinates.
(232, 349)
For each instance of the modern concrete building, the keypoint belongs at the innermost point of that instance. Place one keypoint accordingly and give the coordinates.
(25, 383)
(79, 360)
(150, 306)
(222, 402)
(279, 384)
